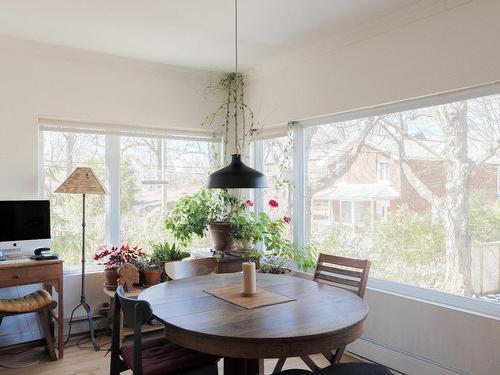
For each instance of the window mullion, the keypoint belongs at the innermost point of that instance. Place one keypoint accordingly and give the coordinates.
(113, 199)
(299, 171)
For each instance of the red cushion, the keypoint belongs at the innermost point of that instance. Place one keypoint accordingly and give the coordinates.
(160, 356)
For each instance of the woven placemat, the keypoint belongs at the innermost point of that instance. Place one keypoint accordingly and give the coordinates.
(263, 297)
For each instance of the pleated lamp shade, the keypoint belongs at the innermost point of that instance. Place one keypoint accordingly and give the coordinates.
(82, 181)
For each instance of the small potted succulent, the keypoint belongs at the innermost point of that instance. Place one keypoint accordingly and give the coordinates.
(115, 258)
(152, 273)
(141, 264)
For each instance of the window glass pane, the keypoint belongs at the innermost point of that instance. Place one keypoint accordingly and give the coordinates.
(62, 153)
(154, 174)
(278, 170)
(415, 192)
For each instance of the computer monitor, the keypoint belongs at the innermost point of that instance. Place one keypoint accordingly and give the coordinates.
(24, 226)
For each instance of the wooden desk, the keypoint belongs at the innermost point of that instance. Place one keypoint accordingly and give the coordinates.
(47, 272)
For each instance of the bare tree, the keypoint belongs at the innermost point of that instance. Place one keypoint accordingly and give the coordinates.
(458, 165)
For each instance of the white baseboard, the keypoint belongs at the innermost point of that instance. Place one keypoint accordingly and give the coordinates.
(400, 360)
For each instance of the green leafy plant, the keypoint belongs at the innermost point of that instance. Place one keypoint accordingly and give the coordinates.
(165, 252)
(193, 213)
(252, 255)
(275, 265)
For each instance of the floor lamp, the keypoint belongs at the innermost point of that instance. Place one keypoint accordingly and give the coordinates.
(83, 181)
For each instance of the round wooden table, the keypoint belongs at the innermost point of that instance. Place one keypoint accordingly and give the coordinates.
(320, 318)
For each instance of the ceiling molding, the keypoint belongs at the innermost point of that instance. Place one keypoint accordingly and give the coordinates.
(75, 55)
(382, 25)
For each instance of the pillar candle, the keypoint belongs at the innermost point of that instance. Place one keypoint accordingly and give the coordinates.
(249, 276)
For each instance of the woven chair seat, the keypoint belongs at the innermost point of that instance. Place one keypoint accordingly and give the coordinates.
(31, 302)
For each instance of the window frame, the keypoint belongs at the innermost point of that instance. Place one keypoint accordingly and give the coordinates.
(468, 304)
(385, 163)
(498, 181)
(112, 166)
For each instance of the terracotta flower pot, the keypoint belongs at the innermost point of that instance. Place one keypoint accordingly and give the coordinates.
(111, 277)
(142, 279)
(222, 236)
(152, 277)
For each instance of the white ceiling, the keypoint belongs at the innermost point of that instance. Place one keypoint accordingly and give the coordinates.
(194, 33)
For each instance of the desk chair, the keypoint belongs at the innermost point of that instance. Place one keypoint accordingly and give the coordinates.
(190, 268)
(154, 355)
(346, 273)
(39, 302)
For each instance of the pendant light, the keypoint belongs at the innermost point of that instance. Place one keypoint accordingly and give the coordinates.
(236, 175)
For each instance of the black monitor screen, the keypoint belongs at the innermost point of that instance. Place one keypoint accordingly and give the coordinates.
(24, 220)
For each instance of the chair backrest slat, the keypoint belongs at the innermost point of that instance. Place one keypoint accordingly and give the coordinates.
(347, 273)
(340, 271)
(189, 268)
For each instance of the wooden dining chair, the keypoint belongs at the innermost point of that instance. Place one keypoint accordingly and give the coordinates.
(183, 269)
(346, 273)
(344, 369)
(155, 355)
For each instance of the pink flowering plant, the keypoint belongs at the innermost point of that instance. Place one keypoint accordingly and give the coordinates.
(116, 257)
(270, 227)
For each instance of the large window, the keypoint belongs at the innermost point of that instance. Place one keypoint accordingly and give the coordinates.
(145, 177)
(62, 153)
(414, 191)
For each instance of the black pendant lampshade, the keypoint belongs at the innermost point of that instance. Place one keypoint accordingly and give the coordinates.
(236, 176)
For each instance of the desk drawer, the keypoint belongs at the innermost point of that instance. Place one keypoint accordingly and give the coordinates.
(29, 274)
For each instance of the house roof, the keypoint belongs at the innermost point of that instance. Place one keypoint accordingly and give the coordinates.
(364, 192)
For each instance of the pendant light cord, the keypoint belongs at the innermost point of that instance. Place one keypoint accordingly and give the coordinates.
(236, 77)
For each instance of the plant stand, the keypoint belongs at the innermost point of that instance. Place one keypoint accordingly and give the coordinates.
(226, 264)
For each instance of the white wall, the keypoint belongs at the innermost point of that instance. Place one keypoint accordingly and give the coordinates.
(440, 50)
(448, 45)
(37, 79)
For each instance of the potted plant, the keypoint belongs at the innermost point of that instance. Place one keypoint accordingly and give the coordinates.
(141, 264)
(152, 273)
(253, 255)
(205, 211)
(165, 252)
(114, 259)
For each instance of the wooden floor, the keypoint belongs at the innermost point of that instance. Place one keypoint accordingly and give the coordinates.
(81, 360)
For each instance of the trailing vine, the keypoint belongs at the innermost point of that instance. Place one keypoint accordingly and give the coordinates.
(233, 112)
(283, 181)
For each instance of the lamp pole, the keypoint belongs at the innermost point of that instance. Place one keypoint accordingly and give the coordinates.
(83, 300)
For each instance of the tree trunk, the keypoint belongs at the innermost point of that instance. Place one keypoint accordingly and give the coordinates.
(455, 207)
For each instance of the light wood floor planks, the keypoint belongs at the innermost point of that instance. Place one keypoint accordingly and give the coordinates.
(81, 360)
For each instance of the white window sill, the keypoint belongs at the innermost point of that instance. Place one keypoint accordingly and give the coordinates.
(436, 297)
(446, 300)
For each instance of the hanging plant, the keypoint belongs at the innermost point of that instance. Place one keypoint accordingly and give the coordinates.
(233, 113)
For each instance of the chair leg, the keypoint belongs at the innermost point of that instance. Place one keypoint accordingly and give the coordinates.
(329, 356)
(43, 318)
(338, 355)
(309, 362)
(279, 365)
